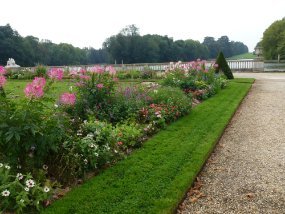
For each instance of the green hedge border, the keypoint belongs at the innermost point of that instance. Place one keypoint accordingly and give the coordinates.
(155, 178)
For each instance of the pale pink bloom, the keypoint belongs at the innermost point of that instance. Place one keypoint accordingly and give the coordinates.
(73, 73)
(39, 81)
(82, 71)
(68, 99)
(206, 70)
(111, 70)
(2, 81)
(100, 85)
(32, 90)
(198, 60)
(115, 79)
(84, 77)
(2, 70)
(79, 84)
(199, 67)
(216, 65)
(30, 183)
(56, 73)
(97, 69)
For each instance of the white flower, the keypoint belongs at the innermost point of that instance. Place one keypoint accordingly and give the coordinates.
(5, 193)
(107, 147)
(91, 145)
(85, 161)
(7, 167)
(90, 135)
(19, 167)
(22, 200)
(45, 167)
(30, 183)
(19, 176)
(70, 88)
(96, 154)
(158, 116)
(155, 91)
(26, 189)
(115, 151)
(55, 105)
(1, 165)
(46, 189)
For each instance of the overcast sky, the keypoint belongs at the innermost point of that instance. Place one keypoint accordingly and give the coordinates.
(85, 23)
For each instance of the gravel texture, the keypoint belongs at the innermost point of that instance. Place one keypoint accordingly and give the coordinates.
(246, 172)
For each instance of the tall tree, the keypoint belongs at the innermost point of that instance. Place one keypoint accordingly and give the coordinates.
(273, 41)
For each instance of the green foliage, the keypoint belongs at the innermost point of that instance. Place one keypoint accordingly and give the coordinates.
(273, 41)
(21, 193)
(41, 71)
(126, 103)
(156, 178)
(27, 134)
(223, 66)
(128, 135)
(20, 74)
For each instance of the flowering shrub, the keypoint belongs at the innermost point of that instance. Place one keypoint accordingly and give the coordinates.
(55, 73)
(126, 102)
(95, 88)
(41, 71)
(21, 193)
(30, 129)
(68, 99)
(194, 78)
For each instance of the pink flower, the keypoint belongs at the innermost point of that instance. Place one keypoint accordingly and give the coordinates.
(79, 84)
(73, 73)
(68, 99)
(39, 81)
(120, 143)
(97, 69)
(56, 73)
(216, 65)
(2, 70)
(2, 81)
(84, 77)
(199, 67)
(32, 90)
(115, 79)
(111, 70)
(82, 71)
(100, 85)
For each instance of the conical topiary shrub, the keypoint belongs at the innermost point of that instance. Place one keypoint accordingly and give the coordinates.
(223, 66)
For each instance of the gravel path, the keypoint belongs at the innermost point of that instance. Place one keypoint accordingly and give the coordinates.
(246, 172)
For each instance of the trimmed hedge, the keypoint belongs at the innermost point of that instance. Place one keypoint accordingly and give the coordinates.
(223, 66)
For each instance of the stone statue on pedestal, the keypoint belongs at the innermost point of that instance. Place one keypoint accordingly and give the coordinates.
(11, 64)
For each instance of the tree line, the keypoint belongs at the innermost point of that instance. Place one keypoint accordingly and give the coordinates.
(128, 46)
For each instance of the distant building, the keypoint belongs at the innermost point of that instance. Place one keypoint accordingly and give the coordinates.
(258, 51)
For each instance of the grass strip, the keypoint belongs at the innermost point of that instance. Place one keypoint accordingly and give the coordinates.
(155, 178)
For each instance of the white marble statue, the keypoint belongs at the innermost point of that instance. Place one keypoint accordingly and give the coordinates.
(11, 64)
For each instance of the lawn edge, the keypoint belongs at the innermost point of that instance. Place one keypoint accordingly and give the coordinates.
(208, 155)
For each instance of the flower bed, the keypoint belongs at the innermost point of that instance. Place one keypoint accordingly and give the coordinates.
(86, 129)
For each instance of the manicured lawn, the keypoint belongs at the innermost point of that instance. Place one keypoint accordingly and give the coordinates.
(16, 87)
(243, 56)
(155, 178)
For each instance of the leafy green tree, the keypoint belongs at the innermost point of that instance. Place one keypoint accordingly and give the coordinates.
(273, 41)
